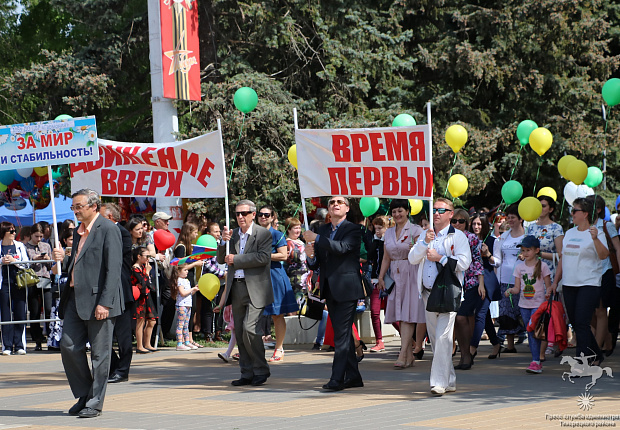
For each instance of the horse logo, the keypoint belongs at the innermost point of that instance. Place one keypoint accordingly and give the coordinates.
(579, 367)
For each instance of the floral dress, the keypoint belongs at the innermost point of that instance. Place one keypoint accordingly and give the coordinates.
(475, 268)
(297, 268)
(547, 234)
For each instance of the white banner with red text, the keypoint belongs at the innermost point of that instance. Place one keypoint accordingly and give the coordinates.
(190, 168)
(392, 162)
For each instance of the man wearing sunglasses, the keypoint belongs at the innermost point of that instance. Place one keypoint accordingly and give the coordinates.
(335, 250)
(437, 246)
(248, 289)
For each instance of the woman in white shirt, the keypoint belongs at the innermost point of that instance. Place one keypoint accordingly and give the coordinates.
(581, 268)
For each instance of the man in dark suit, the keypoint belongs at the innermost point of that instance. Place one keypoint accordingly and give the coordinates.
(248, 288)
(119, 363)
(95, 284)
(335, 251)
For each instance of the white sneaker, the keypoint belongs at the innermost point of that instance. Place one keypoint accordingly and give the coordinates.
(438, 391)
(6, 352)
(191, 346)
(224, 357)
(21, 352)
(450, 389)
(183, 348)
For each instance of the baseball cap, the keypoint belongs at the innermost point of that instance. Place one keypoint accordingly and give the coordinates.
(530, 242)
(161, 215)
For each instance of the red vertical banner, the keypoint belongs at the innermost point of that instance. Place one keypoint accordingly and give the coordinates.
(180, 49)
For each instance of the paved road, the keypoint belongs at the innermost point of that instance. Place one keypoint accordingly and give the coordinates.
(191, 390)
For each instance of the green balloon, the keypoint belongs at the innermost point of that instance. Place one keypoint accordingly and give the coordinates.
(611, 92)
(369, 205)
(245, 99)
(512, 192)
(62, 117)
(594, 178)
(56, 174)
(524, 129)
(207, 240)
(403, 120)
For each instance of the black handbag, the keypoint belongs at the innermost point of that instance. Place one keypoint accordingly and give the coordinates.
(310, 306)
(446, 293)
(389, 283)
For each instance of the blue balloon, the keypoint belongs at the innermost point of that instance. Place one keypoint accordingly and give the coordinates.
(7, 176)
(17, 176)
(27, 184)
(617, 201)
(607, 214)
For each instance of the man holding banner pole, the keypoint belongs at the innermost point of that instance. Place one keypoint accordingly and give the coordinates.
(335, 250)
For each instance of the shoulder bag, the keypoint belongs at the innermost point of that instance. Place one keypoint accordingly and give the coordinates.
(26, 278)
(310, 306)
(446, 293)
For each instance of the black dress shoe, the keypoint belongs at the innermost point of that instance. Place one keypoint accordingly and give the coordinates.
(331, 349)
(353, 383)
(117, 378)
(89, 413)
(316, 347)
(260, 379)
(333, 386)
(509, 350)
(75, 409)
(38, 347)
(241, 381)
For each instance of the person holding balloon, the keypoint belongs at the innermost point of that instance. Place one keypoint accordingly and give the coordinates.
(505, 256)
(183, 294)
(580, 271)
(404, 304)
(284, 297)
(145, 313)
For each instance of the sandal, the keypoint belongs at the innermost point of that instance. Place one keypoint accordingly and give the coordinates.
(197, 345)
(276, 358)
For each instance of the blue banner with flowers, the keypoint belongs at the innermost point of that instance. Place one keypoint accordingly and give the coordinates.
(39, 144)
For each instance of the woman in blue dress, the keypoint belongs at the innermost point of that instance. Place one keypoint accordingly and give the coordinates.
(284, 297)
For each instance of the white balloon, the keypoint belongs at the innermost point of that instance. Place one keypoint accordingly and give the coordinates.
(570, 192)
(24, 173)
(584, 191)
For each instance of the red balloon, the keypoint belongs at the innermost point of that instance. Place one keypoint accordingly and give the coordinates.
(163, 239)
(40, 181)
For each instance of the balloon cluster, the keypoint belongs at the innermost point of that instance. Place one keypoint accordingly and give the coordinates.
(539, 138)
(20, 184)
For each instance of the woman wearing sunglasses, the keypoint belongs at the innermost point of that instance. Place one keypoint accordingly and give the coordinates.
(404, 304)
(12, 298)
(473, 291)
(581, 271)
(284, 297)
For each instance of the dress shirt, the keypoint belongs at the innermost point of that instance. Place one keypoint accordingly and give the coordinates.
(430, 272)
(243, 240)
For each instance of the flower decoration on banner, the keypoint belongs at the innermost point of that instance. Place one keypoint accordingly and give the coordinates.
(416, 206)
(577, 171)
(541, 140)
(457, 185)
(512, 192)
(611, 92)
(524, 129)
(456, 137)
(549, 192)
(594, 178)
(245, 99)
(563, 165)
(292, 155)
(403, 120)
(530, 209)
(369, 205)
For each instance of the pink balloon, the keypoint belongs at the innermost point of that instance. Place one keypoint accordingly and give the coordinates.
(163, 239)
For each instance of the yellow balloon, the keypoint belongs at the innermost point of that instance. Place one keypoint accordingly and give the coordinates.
(456, 136)
(416, 206)
(457, 185)
(547, 191)
(292, 155)
(563, 164)
(40, 171)
(209, 285)
(577, 172)
(541, 140)
(530, 209)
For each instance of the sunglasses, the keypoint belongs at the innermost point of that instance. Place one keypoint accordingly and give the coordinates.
(337, 202)
(573, 211)
(264, 214)
(458, 221)
(441, 210)
(13, 231)
(243, 213)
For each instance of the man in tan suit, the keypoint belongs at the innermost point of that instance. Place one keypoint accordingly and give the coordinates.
(248, 289)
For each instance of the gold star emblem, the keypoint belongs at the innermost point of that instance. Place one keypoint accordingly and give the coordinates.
(179, 58)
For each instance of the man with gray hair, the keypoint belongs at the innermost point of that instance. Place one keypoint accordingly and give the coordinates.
(248, 289)
(90, 303)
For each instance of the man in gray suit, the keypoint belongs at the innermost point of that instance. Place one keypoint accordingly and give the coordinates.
(248, 289)
(91, 304)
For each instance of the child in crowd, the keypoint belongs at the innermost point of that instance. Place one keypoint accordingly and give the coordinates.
(375, 256)
(183, 294)
(230, 325)
(532, 280)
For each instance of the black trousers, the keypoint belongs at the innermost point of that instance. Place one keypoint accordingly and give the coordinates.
(580, 304)
(39, 299)
(342, 314)
(120, 362)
